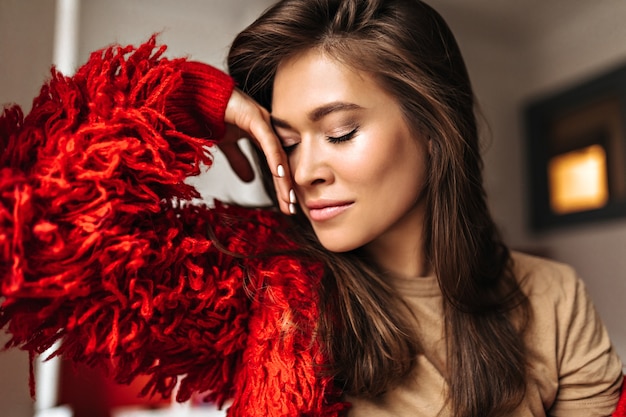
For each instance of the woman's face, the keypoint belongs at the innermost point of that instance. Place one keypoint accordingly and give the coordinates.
(358, 169)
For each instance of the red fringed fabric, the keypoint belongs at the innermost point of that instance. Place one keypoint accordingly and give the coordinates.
(620, 411)
(97, 250)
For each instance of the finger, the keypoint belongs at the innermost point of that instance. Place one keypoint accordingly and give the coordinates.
(266, 139)
(288, 206)
(248, 115)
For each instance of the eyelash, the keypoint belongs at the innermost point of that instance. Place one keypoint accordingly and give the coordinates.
(330, 139)
(343, 138)
(289, 148)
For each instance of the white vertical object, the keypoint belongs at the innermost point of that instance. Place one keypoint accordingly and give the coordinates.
(66, 26)
(47, 381)
(64, 57)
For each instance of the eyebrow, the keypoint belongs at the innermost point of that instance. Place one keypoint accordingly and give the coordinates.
(317, 114)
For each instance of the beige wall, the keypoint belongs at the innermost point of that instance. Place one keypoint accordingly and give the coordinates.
(26, 31)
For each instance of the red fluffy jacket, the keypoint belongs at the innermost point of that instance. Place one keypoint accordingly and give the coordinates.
(99, 251)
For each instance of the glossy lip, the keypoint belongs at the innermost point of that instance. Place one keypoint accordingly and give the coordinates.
(323, 210)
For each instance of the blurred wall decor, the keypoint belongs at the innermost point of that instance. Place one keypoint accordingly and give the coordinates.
(576, 141)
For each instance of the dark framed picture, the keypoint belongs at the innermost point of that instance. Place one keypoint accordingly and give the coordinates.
(576, 153)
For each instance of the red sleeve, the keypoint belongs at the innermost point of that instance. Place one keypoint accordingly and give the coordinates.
(197, 107)
(99, 251)
(96, 249)
(620, 410)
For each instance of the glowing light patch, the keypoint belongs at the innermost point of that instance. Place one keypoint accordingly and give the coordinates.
(578, 180)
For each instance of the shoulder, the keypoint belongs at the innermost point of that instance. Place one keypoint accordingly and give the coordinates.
(573, 362)
(545, 279)
(557, 295)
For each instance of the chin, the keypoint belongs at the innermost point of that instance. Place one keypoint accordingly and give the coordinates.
(338, 245)
(338, 249)
(339, 239)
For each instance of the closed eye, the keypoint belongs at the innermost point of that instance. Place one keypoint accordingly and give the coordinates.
(343, 138)
(289, 148)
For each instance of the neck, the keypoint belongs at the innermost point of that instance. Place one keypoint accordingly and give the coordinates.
(401, 251)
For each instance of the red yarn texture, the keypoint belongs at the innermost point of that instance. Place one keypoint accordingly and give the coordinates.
(620, 411)
(97, 250)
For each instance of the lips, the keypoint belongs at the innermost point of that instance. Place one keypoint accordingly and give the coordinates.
(320, 211)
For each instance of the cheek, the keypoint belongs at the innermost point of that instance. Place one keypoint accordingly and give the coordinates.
(396, 162)
(401, 176)
(369, 159)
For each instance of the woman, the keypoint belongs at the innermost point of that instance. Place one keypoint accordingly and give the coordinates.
(374, 106)
(388, 289)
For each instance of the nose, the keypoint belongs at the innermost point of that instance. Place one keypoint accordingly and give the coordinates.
(310, 163)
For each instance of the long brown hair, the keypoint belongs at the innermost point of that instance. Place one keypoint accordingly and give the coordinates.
(412, 53)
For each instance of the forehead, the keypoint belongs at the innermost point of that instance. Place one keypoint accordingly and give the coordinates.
(314, 77)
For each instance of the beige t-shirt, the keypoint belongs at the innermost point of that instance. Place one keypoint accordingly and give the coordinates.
(574, 372)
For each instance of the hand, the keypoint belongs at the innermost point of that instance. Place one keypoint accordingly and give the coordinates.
(244, 114)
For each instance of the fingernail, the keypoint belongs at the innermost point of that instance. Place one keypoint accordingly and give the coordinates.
(292, 196)
(281, 171)
(292, 208)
